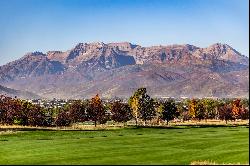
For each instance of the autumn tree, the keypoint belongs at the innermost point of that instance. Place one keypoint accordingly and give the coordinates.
(225, 113)
(244, 114)
(218, 104)
(77, 111)
(4, 105)
(96, 111)
(36, 116)
(134, 105)
(169, 111)
(236, 109)
(15, 113)
(121, 112)
(192, 107)
(63, 118)
(244, 109)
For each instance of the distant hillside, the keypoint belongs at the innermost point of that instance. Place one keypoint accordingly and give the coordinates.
(117, 69)
(17, 93)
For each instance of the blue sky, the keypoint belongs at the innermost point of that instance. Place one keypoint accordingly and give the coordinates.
(43, 25)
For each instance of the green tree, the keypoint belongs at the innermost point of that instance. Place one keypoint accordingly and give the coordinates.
(210, 108)
(49, 112)
(142, 105)
(169, 111)
(159, 110)
(200, 110)
(147, 108)
(182, 108)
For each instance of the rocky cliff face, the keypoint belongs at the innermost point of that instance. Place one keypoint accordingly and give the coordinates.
(119, 68)
(221, 52)
(31, 65)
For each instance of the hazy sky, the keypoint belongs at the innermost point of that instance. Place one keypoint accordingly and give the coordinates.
(43, 25)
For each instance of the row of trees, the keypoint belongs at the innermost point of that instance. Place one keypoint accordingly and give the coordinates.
(215, 109)
(16, 111)
(140, 107)
(145, 108)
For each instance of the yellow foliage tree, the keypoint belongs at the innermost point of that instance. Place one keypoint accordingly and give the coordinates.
(192, 108)
(159, 110)
(134, 105)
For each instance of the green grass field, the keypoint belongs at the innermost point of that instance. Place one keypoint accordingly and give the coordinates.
(180, 145)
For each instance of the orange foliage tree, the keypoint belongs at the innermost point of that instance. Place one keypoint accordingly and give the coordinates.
(236, 108)
(96, 111)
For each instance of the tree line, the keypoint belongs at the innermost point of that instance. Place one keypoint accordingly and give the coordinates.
(140, 108)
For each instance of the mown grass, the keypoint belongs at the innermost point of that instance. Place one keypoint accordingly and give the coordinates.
(178, 145)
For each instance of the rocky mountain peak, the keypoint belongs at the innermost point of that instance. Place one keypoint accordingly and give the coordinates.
(53, 52)
(35, 53)
(220, 48)
(191, 47)
(123, 45)
(57, 56)
(220, 51)
(96, 45)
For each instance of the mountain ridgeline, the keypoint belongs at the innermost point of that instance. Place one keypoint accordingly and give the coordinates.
(118, 69)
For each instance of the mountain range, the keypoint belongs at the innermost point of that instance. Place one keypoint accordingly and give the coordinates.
(118, 69)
